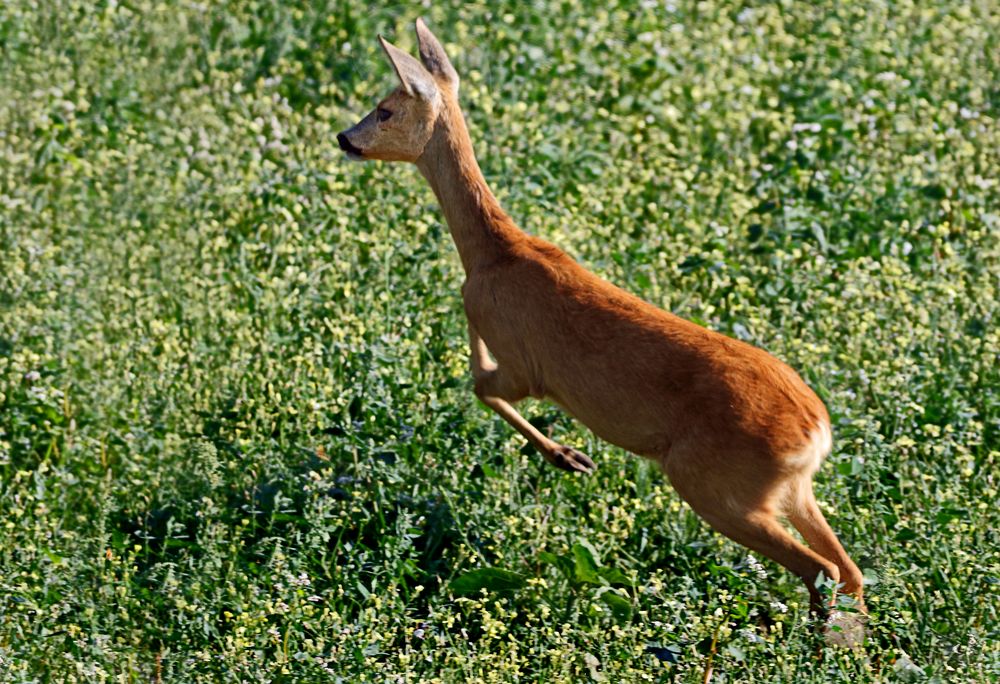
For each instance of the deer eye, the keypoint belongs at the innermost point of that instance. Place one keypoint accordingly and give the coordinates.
(382, 114)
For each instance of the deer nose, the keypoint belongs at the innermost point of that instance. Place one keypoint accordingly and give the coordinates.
(346, 145)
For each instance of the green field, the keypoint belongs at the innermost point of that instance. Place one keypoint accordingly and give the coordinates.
(238, 438)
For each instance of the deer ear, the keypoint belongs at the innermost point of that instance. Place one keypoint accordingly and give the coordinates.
(434, 58)
(416, 80)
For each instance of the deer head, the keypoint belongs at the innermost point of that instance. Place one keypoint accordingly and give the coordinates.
(399, 128)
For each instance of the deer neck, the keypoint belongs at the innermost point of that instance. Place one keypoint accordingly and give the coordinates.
(482, 231)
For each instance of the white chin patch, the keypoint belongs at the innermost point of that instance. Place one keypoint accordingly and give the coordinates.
(354, 157)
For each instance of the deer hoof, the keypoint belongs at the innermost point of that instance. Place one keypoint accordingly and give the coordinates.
(568, 458)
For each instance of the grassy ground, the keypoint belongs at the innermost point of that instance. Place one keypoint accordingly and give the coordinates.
(238, 440)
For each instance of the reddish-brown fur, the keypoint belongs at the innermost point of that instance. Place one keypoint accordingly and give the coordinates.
(737, 431)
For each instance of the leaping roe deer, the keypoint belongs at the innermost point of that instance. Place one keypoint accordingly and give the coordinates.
(738, 433)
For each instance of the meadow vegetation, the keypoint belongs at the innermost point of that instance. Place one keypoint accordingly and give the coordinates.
(238, 439)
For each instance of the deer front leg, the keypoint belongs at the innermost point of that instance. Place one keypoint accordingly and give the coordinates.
(497, 389)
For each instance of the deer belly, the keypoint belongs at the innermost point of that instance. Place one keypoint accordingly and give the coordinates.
(619, 420)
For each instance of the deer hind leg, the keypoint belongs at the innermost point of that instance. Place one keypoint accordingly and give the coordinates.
(748, 517)
(762, 532)
(846, 629)
(498, 389)
(804, 513)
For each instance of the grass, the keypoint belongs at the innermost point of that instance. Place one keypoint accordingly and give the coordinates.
(238, 440)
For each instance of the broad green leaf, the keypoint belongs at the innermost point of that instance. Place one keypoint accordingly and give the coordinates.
(615, 576)
(585, 567)
(620, 607)
(491, 579)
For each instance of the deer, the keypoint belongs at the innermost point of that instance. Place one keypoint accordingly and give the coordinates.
(737, 432)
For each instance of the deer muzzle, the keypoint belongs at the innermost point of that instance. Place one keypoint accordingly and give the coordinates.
(345, 144)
